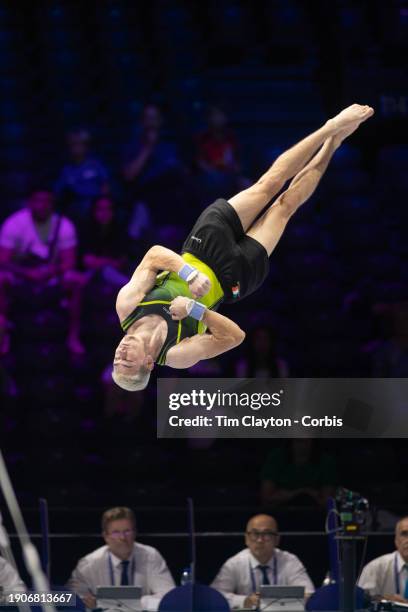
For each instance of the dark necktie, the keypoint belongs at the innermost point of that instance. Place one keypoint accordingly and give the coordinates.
(406, 581)
(265, 577)
(124, 578)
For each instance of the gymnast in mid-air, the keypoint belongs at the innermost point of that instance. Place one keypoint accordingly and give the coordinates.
(168, 308)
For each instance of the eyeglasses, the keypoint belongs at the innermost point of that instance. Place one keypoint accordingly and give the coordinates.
(117, 534)
(264, 535)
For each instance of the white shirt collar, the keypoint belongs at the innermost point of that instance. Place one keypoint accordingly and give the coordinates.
(116, 561)
(254, 562)
(400, 562)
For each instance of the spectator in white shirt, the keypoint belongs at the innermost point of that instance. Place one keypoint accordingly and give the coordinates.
(37, 248)
(386, 577)
(261, 562)
(122, 561)
(9, 578)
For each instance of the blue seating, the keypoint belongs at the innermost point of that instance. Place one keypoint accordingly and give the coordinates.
(325, 324)
(399, 244)
(389, 291)
(62, 38)
(14, 156)
(346, 156)
(229, 22)
(335, 356)
(13, 132)
(66, 59)
(286, 21)
(304, 237)
(318, 295)
(61, 14)
(349, 181)
(381, 266)
(8, 16)
(309, 265)
(347, 209)
(355, 237)
(392, 157)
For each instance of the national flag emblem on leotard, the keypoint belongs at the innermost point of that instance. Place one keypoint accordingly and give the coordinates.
(235, 290)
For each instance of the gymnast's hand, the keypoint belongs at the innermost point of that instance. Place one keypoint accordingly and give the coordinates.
(178, 307)
(200, 285)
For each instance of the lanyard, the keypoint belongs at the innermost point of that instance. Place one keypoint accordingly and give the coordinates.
(396, 576)
(274, 571)
(112, 575)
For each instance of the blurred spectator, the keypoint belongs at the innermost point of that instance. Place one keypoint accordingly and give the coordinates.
(103, 244)
(217, 158)
(298, 473)
(152, 171)
(83, 178)
(9, 578)
(261, 359)
(38, 249)
(122, 561)
(390, 358)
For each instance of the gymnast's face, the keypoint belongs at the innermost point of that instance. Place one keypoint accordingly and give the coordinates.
(130, 356)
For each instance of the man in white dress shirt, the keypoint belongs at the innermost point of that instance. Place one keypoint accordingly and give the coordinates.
(9, 578)
(261, 562)
(387, 576)
(122, 561)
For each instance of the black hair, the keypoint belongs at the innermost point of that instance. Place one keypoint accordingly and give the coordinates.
(38, 185)
(100, 196)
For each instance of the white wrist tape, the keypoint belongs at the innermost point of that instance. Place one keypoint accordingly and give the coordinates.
(195, 309)
(188, 273)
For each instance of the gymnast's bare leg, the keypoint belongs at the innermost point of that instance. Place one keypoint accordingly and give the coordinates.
(249, 203)
(269, 228)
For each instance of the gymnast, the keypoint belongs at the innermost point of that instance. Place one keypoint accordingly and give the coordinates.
(168, 308)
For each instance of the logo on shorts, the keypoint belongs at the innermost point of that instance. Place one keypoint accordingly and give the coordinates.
(166, 310)
(235, 290)
(195, 238)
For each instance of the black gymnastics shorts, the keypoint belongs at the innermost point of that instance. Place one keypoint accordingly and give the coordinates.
(240, 262)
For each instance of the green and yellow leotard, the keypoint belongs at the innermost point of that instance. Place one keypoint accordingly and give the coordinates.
(168, 286)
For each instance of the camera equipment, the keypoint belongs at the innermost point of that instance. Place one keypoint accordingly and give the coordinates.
(352, 510)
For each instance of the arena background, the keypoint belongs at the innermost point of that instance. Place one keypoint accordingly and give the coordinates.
(335, 304)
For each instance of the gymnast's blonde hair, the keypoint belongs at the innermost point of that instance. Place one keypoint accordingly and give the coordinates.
(137, 382)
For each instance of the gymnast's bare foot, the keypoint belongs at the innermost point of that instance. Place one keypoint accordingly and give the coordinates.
(343, 134)
(356, 113)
